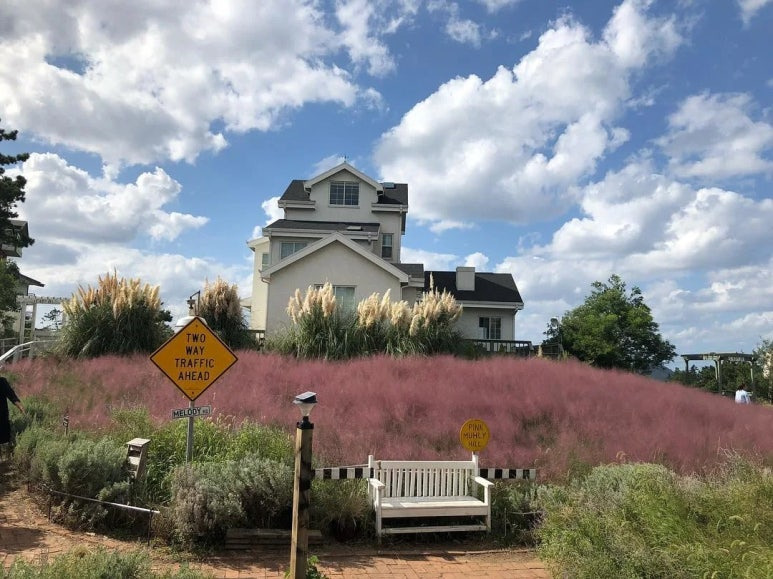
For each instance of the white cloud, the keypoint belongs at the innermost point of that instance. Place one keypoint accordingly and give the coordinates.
(477, 260)
(495, 5)
(145, 83)
(356, 17)
(714, 136)
(749, 8)
(436, 261)
(272, 210)
(459, 29)
(71, 206)
(517, 142)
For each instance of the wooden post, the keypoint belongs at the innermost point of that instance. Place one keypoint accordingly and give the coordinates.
(299, 548)
(189, 439)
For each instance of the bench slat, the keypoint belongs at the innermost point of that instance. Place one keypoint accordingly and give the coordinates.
(432, 529)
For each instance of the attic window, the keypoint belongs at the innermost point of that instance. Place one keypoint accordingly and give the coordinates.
(354, 228)
(344, 193)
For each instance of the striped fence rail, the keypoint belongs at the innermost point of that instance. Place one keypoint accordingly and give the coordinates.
(355, 472)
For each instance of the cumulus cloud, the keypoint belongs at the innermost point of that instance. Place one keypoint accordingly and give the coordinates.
(147, 83)
(517, 142)
(714, 136)
(71, 206)
(459, 29)
(431, 260)
(749, 8)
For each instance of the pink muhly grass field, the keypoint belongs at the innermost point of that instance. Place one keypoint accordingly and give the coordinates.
(544, 414)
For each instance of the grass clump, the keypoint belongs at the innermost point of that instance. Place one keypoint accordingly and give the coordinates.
(85, 563)
(642, 520)
(322, 329)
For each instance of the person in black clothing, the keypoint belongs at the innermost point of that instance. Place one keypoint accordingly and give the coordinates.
(6, 394)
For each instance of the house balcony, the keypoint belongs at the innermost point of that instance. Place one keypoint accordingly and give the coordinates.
(522, 348)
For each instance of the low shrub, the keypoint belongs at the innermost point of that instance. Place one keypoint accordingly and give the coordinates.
(341, 507)
(208, 498)
(86, 563)
(642, 520)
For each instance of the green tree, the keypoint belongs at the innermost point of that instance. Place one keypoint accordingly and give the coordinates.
(11, 194)
(9, 278)
(615, 329)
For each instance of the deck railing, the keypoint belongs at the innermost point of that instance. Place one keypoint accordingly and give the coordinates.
(522, 348)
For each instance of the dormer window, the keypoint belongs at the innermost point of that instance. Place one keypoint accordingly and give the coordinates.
(344, 193)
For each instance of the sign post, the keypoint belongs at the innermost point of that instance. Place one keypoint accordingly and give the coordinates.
(193, 359)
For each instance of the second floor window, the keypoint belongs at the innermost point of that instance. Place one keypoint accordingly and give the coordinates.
(264, 261)
(289, 247)
(386, 245)
(490, 328)
(344, 193)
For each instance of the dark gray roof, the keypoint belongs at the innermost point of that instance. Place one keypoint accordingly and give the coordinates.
(489, 287)
(398, 195)
(412, 269)
(342, 226)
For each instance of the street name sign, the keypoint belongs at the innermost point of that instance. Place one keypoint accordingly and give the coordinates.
(192, 411)
(474, 435)
(194, 358)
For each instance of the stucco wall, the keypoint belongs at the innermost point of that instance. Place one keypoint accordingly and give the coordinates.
(467, 324)
(335, 263)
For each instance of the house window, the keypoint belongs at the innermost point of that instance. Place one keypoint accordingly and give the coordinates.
(386, 245)
(344, 193)
(344, 295)
(264, 261)
(490, 328)
(289, 247)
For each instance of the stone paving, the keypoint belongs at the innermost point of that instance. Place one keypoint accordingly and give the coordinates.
(26, 533)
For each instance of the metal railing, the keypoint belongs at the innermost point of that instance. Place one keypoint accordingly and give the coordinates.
(25, 350)
(513, 347)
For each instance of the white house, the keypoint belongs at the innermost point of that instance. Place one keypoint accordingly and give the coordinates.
(345, 228)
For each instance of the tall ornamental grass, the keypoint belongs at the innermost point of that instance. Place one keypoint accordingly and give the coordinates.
(221, 308)
(119, 316)
(561, 417)
(321, 329)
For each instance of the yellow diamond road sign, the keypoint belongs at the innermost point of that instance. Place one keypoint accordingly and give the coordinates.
(194, 358)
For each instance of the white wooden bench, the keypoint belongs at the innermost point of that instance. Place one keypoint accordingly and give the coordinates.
(402, 489)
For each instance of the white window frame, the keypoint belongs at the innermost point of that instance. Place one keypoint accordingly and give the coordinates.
(293, 245)
(265, 260)
(349, 195)
(390, 245)
(345, 304)
(492, 327)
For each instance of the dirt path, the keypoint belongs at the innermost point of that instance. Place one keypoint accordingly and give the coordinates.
(25, 532)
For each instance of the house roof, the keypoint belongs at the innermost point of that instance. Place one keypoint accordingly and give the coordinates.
(392, 193)
(336, 237)
(412, 269)
(489, 287)
(26, 280)
(343, 167)
(345, 226)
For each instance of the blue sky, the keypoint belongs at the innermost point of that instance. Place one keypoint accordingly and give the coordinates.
(560, 142)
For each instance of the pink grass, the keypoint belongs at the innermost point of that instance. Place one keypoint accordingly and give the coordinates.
(540, 413)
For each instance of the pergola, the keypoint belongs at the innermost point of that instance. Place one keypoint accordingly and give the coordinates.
(33, 300)
(718, 358)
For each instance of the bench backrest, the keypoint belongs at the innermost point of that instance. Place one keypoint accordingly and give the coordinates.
(419, 478)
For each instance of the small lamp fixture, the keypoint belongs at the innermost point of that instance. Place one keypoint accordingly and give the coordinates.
(305, 403)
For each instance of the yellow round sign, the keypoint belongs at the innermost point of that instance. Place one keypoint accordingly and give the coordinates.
(474, 435)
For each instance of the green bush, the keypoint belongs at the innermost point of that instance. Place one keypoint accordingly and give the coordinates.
(641, 520)
(341, 507)
(205, 503)
(208, 498)
(84, 563)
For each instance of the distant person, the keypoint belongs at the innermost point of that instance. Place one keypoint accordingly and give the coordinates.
(6, 394)
(742, 396)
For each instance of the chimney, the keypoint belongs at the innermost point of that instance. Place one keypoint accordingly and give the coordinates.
(465, 279)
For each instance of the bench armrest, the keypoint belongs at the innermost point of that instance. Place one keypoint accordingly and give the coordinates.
(486, 484)
(375, 490)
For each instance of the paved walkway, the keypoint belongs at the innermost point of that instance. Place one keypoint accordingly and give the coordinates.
(26, 533)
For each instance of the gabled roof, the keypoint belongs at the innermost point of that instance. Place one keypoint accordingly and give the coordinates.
(412, 269)
(343, 167)
(489, 287)
(389, 193)
(324, 242)
(353, 227)
(26, 280)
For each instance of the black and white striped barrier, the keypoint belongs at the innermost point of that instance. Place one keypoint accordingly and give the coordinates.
(353, 472)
